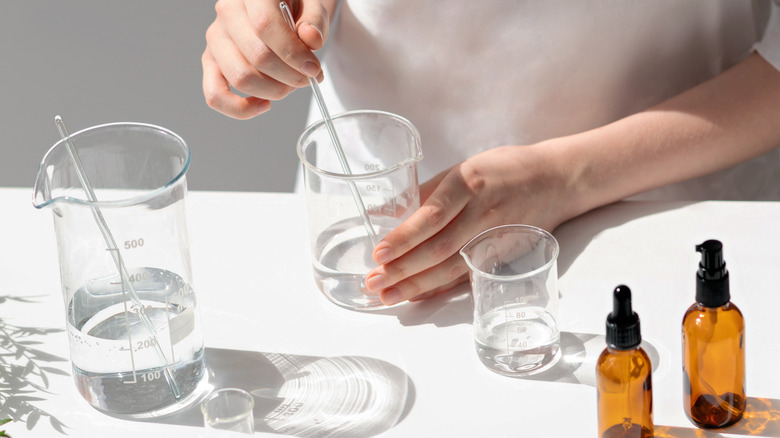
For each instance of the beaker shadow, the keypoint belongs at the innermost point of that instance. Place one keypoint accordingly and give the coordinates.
(309, 396)
(579, 354)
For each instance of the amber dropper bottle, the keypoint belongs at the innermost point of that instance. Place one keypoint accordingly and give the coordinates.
(713, 337)
(623, 375)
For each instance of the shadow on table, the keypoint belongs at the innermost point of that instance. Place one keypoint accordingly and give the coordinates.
(25, 371)
(761, 418)
(598, 220)
(309, 396)
(451, 308)
(455, 307)
(579, 354)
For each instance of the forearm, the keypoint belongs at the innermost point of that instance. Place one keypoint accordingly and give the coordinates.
(721, 122)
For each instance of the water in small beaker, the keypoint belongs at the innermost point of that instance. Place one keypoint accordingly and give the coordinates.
(516, 338)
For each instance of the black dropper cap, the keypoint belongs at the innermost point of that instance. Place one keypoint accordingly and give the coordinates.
(623, 323)
(712, 279)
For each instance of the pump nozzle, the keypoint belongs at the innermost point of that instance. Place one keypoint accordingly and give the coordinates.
(623, 331)
(712, 266)
(712, 278)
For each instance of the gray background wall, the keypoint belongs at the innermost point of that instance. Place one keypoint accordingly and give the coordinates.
(100, 61)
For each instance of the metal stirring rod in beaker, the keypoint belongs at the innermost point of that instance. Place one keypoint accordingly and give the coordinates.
(315, 88)
(114, 250)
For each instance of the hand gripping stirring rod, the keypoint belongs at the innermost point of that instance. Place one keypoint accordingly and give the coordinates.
(114, 250)
(315, 88)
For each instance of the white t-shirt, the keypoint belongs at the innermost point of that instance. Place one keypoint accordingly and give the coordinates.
(475, 75)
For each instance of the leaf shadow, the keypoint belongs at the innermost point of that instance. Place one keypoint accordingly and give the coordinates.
(25, 371)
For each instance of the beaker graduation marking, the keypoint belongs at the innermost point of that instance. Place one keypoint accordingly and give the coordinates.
(127, 287)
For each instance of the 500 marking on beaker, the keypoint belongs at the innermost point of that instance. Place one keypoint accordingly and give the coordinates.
(134, 243)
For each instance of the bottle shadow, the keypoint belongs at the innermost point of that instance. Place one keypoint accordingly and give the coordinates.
(761, 418)
(308, 396)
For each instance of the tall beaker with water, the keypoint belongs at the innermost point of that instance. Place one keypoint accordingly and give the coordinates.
(349, 212)
(124, 252)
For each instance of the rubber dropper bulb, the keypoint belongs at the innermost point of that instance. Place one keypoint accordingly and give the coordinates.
(623, 330)
(712, 278)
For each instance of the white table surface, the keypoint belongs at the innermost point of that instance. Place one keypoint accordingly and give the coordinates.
(410, 371)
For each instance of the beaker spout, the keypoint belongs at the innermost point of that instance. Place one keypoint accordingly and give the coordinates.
(41, 192)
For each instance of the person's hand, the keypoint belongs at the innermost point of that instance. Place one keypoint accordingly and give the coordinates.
(251, 48)
(506, 185)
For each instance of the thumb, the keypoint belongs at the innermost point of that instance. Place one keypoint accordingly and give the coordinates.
(313, 23)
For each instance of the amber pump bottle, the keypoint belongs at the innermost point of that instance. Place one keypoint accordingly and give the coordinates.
(713, 338)
(623, 375)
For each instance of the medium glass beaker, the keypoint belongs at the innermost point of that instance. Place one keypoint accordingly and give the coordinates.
(382, 151)
(132, 315)
(514, 276)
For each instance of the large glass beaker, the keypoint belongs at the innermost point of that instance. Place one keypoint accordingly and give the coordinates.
(131, 311)
(380, 192)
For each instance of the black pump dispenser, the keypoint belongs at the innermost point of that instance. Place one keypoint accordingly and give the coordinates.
(623, 323)
(712, 279)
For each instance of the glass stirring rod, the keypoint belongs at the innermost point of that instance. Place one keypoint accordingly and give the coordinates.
(315, 88)
(118, 261)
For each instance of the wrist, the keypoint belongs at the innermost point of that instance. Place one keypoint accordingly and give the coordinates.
(567, 189)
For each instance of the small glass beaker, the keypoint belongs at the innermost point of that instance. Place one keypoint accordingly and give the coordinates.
(514, 275)
(382, 151)
(229, 409)
(131, 312)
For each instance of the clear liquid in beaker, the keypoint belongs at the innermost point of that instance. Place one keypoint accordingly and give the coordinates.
(117, 365)
(345, 259)
(517, 339)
